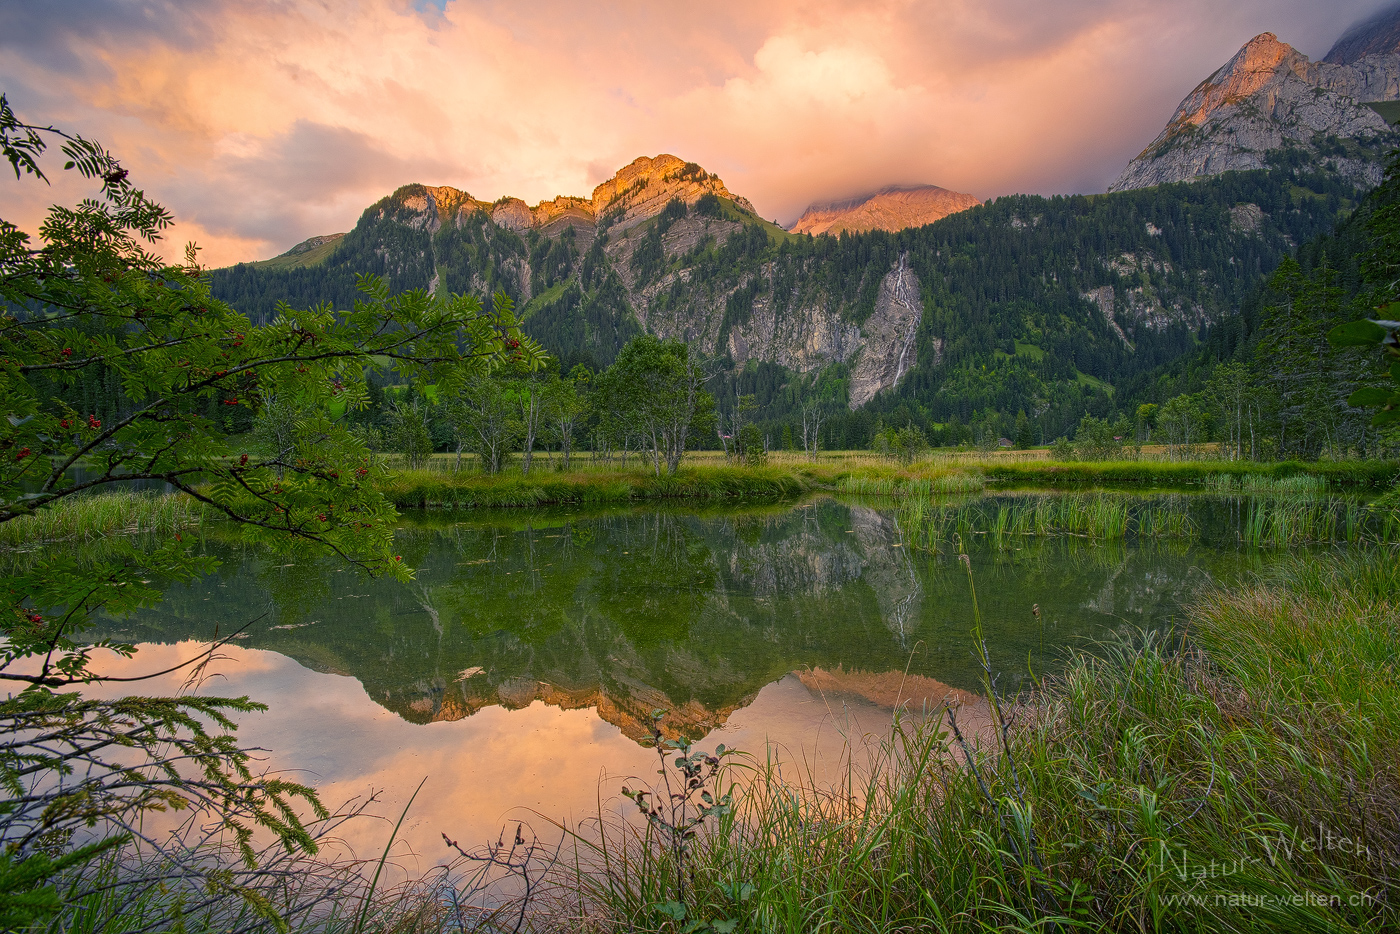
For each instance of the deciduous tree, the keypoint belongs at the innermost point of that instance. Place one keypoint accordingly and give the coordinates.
(91, 299)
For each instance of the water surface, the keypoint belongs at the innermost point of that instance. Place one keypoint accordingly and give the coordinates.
(521, 664)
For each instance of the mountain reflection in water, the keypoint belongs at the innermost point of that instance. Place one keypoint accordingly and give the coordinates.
(694, 612)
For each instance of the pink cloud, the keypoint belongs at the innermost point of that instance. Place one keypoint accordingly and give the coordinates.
(261, 123)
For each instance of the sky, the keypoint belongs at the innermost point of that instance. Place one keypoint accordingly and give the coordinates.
(262, 122)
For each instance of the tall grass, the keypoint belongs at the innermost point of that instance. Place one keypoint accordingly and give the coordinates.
(84, 518)
(1284, 521)
(1244, 779)
(1257, 484)
(942, 483)
(705, 475)
(1213, 474)
(929, 524)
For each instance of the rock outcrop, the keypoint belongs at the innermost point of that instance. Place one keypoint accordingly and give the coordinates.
(311, 243)
(641, 190)
(888, 335)
(1270, 97)
(892, 208)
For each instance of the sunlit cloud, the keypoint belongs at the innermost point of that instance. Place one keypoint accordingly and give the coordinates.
(261, 123)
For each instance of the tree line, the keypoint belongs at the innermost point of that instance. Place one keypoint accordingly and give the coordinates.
(649, 404)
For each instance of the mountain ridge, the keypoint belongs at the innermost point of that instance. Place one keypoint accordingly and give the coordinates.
(891, 208)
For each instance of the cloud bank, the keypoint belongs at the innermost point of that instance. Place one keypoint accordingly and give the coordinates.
(262, 122)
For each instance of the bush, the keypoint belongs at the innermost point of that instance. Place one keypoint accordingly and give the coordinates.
(1097, 439)
(751, 450)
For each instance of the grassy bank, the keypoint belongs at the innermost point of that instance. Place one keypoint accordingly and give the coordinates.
(1365, 474)
(1247, 779)
(710, 479)
(467, 490)
(84, 518)
(699, 481)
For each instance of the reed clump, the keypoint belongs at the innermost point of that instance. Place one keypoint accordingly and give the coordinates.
(936, 525)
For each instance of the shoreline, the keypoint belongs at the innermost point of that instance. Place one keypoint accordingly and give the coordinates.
(469, 489)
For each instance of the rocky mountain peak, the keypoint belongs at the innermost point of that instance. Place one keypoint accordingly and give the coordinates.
(641, 189)
(1379, 35)
(638, 192)
(1269, 97)
(892, 208)
(1259, 62)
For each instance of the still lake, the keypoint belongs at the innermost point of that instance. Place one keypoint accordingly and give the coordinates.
(516, 672)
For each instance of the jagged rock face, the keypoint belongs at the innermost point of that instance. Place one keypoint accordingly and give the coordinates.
(513, 214)
(641, 190)
(1268, 97)
(891, 209)
(803, 334)
(576, 211)
(1136, 305)
(803, 337)
(638, 192)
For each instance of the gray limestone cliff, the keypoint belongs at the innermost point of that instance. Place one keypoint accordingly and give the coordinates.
(804, 333)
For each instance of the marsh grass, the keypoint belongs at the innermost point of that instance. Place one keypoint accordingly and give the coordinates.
(1288, 520)
(703, 479)
(936, 525)
(707, 476)
(1257, 484)
(1221, 476)
(938, 483)
(85, 518)
(468, 490)
(1245, 778)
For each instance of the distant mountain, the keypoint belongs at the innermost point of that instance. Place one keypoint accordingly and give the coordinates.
(1270, 105)
(893, 208)
(1379, 35)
